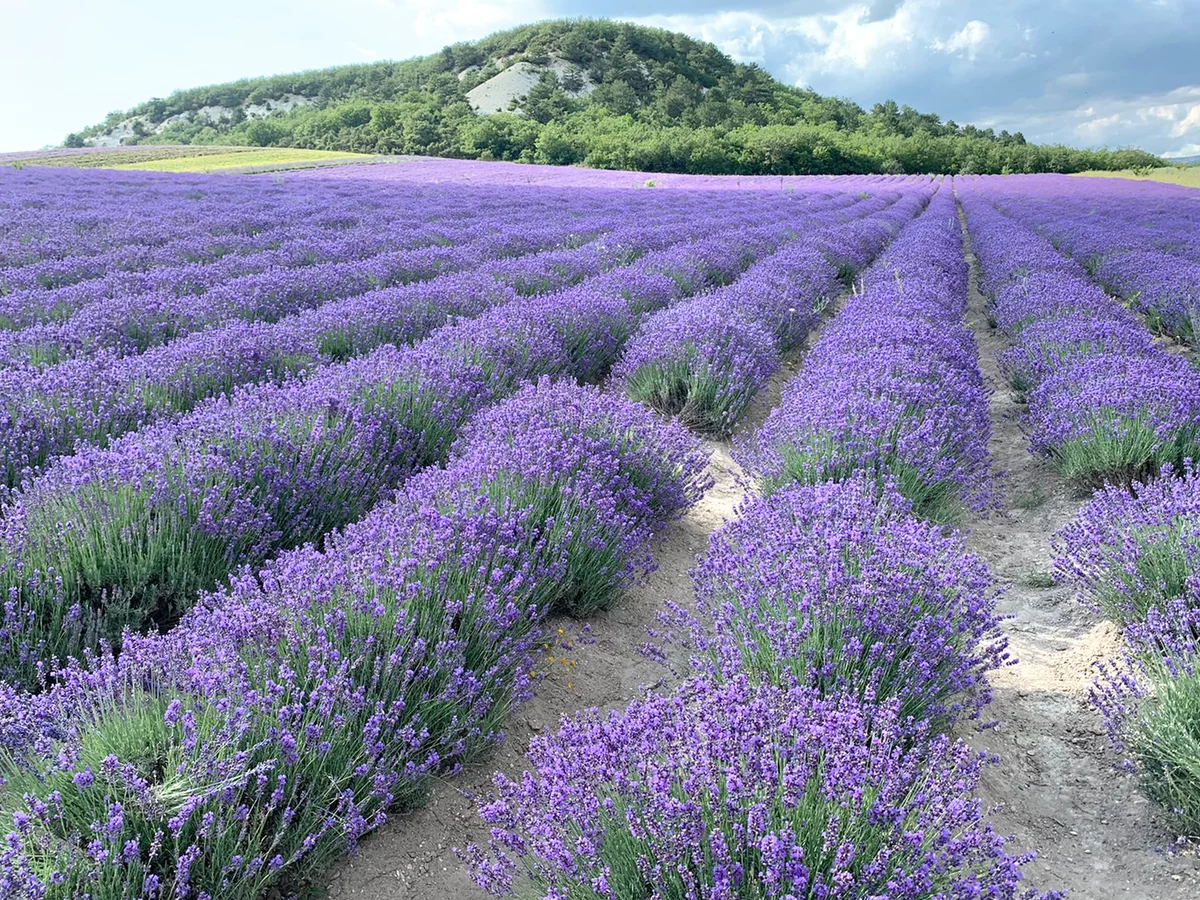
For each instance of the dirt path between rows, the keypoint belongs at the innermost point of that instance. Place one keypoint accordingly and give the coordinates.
(411, 857)
(1058, 792)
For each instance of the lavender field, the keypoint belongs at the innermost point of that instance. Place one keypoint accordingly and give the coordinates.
(438, 529)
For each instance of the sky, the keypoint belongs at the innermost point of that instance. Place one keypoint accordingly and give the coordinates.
(1097, 73)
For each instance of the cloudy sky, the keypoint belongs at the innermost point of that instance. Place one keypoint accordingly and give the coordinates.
(1104, 72)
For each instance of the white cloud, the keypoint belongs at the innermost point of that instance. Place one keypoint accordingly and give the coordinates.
(1189, 123)
(1119, 77)
(855, 41)
(1113, 121)
(1099, 127)
(966, 41)
(1185, 150)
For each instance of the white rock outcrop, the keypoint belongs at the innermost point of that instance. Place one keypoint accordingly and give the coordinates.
(495, 94)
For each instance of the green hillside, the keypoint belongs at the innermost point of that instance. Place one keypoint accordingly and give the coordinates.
(591, 92)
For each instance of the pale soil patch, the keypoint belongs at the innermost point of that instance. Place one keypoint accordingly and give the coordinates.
(1096, 834)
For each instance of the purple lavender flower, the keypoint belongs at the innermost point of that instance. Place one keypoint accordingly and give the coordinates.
(1117, 418)
(1150, 701)
(701, 362)
(312, 697)
(836, 588)
(740, 791)
(1137, 548)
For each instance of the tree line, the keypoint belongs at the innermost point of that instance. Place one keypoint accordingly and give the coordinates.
(632, 98)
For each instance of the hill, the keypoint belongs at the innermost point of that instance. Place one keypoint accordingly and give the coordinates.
(591, 92)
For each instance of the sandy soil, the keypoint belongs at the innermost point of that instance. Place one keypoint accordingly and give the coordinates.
(1056, 786)
(411, 858)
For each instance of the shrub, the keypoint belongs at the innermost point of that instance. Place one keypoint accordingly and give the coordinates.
(700, 362)
(237, 755)
(1150, 701)
(834, 588)
(743, 792)
(1117, 419)
(1132, 550)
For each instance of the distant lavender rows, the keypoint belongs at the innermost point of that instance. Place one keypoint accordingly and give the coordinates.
(1142, 244)
(129, 300)
(1106, 403)
(430, 170)
(97, 398)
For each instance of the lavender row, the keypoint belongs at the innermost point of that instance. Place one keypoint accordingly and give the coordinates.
(1135, 555)
(72, 282)
(124, 537)
(836, 637)
(1106, 403)
(703, 361)
(893, 387)
(96, 400)
(294, 710)
(130, 323)
(806, 757)
(158, 232)
(1143, 252)
(29, 307)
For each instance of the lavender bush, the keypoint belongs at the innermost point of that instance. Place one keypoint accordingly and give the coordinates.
(1150, 700)
(1137, 549)
(1117, 418)
(703, 361)
(700, 362)
(835, 588)
(239, 753)
(740, 791)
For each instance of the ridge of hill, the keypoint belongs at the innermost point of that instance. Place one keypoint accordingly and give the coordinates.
(587, 92)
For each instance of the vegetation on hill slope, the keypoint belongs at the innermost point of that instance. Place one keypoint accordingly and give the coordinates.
(610, 95)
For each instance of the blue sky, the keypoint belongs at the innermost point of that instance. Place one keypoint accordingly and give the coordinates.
(1105, 72)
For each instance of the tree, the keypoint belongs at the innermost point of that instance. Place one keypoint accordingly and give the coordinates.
(681, 97)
